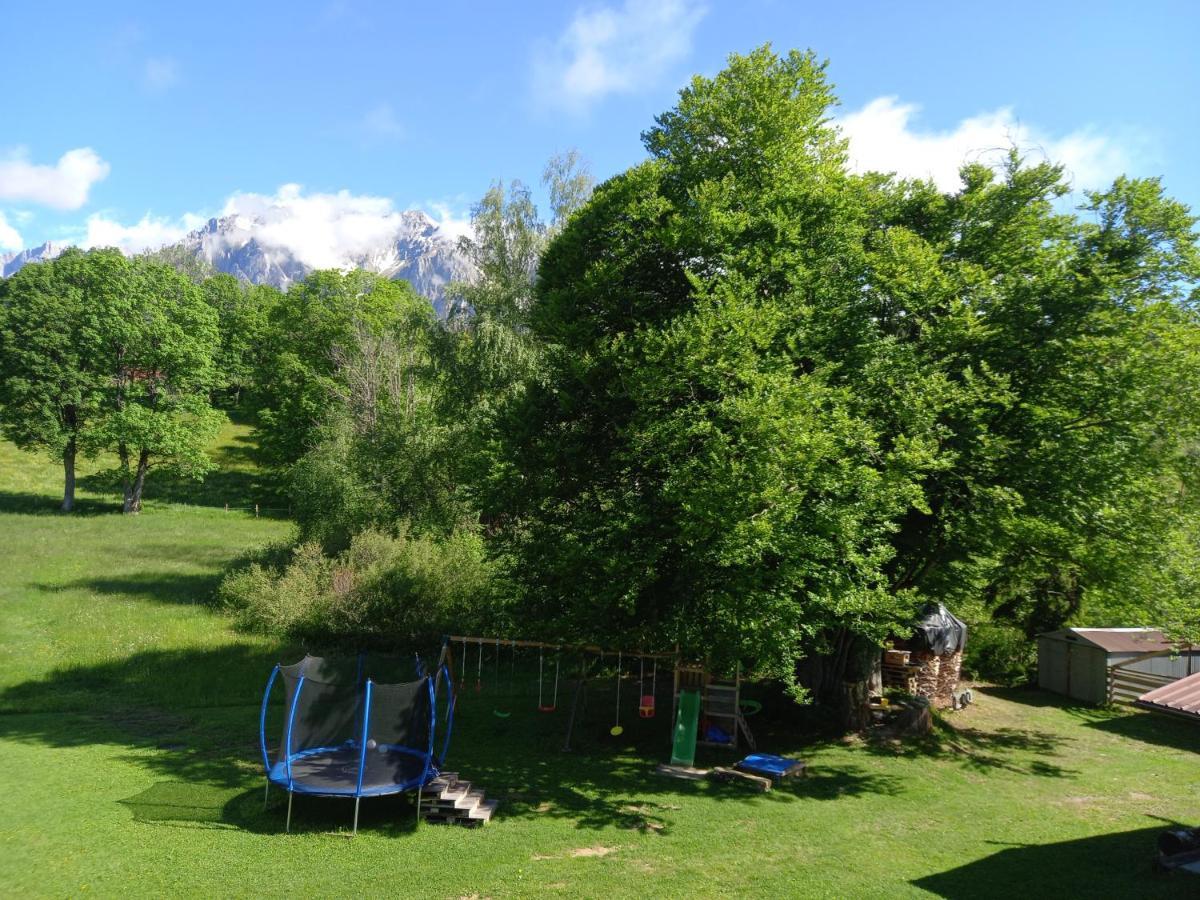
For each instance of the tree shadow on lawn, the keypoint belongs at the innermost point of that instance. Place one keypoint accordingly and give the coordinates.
(161, 587)
(190, 718)
(1124, 721)
(1002, 749)
(1151, 728)
(196, 804)
(240, 489)
(27, 503)
(1108, 865)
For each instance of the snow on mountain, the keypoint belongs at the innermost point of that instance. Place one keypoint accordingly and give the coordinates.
(272, 247)
(265, 249)
(12, 262)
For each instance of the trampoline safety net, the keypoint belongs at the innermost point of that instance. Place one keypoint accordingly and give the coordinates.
(346, 735)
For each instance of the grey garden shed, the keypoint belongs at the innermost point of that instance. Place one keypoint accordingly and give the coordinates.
(1076, 661)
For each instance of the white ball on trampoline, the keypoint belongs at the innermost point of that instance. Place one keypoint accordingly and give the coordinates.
(371, 745)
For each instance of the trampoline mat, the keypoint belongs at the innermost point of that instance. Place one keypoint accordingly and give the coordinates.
(335, 771)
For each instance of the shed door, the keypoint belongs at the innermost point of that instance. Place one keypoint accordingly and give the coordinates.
(1089, 674)
(1052, 665)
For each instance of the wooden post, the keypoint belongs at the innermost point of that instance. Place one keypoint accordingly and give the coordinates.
(226, 507)
(256, 510)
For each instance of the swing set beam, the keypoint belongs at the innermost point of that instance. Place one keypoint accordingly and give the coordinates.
(584, 648)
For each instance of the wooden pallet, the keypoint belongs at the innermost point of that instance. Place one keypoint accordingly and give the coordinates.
(727, 775)
(448, 800)
(901, 677)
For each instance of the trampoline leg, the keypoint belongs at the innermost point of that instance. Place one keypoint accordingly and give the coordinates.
(419, 788)
(356, 799)
(266, 793)
(288, 828)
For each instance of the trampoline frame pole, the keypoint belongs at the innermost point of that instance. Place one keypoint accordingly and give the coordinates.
(419, 789)
(287, 829)
(266, 793)
(362, 750)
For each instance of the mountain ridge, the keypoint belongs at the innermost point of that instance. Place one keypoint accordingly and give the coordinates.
(267, 249)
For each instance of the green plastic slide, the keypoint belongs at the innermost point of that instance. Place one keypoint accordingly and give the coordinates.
(683, 753)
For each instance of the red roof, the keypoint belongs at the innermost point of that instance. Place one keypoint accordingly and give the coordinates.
(1124, 640)
(1182, 696)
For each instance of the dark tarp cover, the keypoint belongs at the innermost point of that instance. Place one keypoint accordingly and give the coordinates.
(938, 631)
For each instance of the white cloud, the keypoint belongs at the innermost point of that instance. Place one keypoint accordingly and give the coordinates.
(451, 219)
(607, 50)
(148, 233)
(159, 74)
(884, 138)
(10, 239)
(64, 185)
(327, 230)
(381, 121)
(321, 230)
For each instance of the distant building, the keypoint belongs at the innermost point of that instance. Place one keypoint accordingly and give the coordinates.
(1076, 661)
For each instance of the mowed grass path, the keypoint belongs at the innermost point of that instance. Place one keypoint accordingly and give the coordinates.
(129, 760)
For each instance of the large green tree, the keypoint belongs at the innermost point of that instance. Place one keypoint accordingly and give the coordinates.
(487, 350)
(1071, 353)
(691, 472)
(158, 341)
(102, 353)
(780, 404)
(297, 370)
(52, 383)
(242, 312)
(381, 454)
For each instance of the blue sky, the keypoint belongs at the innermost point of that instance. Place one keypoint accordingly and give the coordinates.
(130, 123)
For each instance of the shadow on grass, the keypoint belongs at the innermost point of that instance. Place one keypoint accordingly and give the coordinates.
(1152, 728)
(1022, 751)
(189, 804)
(190, 719)
(31, 504)
(162, 587)
(1108, 865)
(240, 489)
(1124, 721)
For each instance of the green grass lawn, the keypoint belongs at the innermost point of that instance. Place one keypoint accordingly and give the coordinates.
(129, 759)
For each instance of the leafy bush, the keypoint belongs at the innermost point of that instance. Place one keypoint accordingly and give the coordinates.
(396, 586)
(1000, 653)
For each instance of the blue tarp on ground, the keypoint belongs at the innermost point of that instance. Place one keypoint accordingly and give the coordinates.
(770, 765)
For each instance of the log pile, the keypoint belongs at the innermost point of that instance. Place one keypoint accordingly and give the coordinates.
(949, 669)
(927, 674)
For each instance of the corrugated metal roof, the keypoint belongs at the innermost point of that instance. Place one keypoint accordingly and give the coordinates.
(1182, 696)
(1117, 640)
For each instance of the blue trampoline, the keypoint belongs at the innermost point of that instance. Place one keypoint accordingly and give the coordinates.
(347, 734)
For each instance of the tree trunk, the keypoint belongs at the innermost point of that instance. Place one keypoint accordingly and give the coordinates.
(133, 492)
(68, 502)
(126, 486)
(840, 678)
(855, 713)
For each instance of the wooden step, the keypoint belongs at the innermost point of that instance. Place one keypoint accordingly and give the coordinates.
(464, 801)
(442, 782)
(449, 801)
(483, 812)
(447, 794)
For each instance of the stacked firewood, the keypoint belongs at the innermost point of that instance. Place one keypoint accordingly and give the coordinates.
(949, 669)
(927, 675)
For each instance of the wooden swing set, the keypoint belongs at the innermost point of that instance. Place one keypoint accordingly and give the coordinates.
(721, 702)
